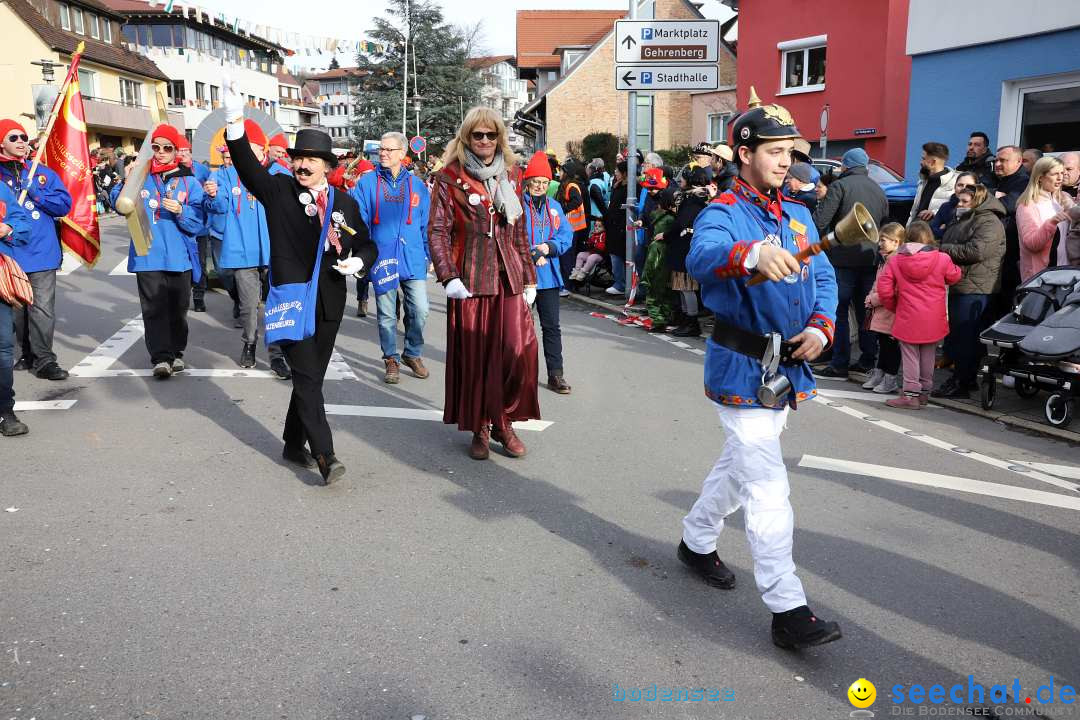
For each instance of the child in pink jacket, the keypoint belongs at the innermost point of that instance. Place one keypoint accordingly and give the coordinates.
(883, 379)
(914, 285)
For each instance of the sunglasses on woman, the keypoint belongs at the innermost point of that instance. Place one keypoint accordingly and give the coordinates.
(478, 136)
(16, 137)
(161, 148)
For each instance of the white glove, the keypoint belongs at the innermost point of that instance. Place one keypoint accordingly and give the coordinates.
(233, 102)
(456, 290)
(349, 266)
(530, 296)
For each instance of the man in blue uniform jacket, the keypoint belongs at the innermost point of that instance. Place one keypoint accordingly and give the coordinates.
(46, 201)
(15, 231)
(756, 365)
(394, 204)
(245, 244)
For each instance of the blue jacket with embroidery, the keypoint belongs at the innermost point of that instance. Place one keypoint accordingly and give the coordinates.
(548, 225)
(724, 233)
(47, 199)
(174, 247)
(17, 219)
(396, 213)
(245, 240)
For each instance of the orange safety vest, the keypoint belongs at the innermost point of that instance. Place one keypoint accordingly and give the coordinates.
(576, 217)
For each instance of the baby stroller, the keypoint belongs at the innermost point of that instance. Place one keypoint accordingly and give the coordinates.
(1037, 345)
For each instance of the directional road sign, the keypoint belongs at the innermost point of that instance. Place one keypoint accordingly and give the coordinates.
(666, 77)
(667, 41)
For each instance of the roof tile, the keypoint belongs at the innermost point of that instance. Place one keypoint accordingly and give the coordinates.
(539, 32)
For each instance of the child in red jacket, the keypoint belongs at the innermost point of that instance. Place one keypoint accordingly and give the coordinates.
(914, 285)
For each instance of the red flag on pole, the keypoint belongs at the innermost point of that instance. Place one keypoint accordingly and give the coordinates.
(67, 153)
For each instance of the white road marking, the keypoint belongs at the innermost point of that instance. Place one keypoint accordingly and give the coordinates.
(951, 447)
(1064, 471)
(864, 396)
(945, 482)
(98, 362)
(69, 265)
(416, 414)
(24, 405)
(121, 269)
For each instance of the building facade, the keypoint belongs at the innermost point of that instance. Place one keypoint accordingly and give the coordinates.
(118, 86)
(1017, 81)
(194, 50)
(294, 112)
(502, 90)
(848, 55)
(335, 98)
(583, 98)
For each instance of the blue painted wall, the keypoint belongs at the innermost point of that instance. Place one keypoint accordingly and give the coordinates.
(957, 91)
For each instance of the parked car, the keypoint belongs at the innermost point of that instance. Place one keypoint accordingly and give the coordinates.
(900, 192)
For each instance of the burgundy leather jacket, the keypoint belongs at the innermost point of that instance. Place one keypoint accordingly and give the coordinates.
(469, 242)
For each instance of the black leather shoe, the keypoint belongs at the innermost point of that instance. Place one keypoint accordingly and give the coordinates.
(10, 426)
(330, 468)
(199, 305)
(247, 356)
(23, 364)
(52, 371)
(951, 389)
(831, 372)
(298, 455)
(798, 628)
(691, 328)
(281, 368)
(710, 567)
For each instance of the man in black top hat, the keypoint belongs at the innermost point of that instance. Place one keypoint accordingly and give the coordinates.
(296, 208)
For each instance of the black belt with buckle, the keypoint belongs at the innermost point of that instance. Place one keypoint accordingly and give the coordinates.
(753, 344)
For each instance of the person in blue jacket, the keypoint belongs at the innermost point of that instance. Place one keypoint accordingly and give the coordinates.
(200, 172)
(756, 365)
(394, 205)
(245, 245)
(550, 235)
(46, 200)
(15, 232)
(173, 200)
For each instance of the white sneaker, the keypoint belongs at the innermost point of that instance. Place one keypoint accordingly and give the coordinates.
(162, 370)
(875, 377)
(564, 293)
(887, 386)
(178, 365)
(612, 291)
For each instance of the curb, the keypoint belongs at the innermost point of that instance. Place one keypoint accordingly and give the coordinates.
(1003, 418)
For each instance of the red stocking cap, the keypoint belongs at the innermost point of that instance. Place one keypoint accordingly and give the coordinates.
(167, 132)
(255, 134)
(538, 167)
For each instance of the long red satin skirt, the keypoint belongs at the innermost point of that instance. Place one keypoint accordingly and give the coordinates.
(491, 361)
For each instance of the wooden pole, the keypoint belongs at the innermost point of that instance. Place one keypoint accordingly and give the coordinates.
(44, 137)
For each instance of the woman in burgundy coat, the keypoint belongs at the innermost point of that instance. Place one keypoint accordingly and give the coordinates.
(482, 256)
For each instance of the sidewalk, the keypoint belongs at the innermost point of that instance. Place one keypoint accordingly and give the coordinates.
(1009, 409)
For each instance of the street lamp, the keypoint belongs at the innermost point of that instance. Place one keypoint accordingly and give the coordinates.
(47, 66)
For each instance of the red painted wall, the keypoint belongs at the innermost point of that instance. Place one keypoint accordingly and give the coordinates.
(867, 73)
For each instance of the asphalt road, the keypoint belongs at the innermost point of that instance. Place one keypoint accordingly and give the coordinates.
(160, 561)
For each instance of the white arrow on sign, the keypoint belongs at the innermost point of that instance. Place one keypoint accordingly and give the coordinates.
(667, 41)
(666, 77)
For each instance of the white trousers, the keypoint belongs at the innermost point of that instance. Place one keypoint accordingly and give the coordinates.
(750, 474)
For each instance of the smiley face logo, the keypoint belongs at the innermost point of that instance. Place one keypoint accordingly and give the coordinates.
(862, 693)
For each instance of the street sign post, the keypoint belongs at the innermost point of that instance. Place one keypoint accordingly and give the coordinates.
(667, 41)
(824, 141)
(667, 77)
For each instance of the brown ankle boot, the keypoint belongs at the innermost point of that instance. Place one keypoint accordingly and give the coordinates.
(479, 449)
(509, 440)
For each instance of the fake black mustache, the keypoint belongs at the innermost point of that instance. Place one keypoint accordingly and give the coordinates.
(304, 172)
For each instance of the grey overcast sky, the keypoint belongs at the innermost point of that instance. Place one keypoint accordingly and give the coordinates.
(353, 20)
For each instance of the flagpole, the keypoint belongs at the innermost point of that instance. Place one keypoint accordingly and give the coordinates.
(52, 116)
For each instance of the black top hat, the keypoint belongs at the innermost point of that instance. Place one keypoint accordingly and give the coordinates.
(313, 143)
